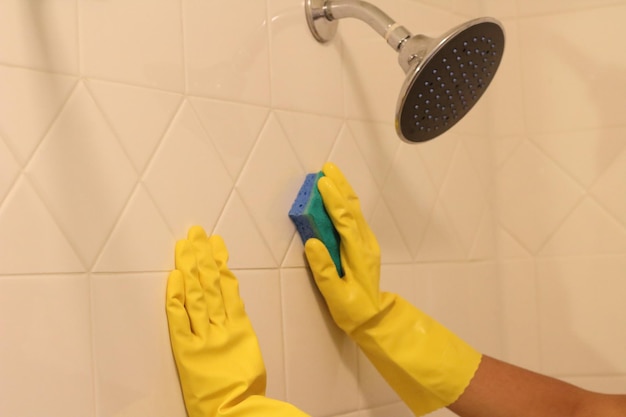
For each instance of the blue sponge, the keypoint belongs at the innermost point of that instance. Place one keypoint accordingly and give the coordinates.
(311, 219)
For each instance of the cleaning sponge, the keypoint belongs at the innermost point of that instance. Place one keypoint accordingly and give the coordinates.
(311, 219)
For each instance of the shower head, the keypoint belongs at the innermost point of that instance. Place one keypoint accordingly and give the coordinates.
(445, 76)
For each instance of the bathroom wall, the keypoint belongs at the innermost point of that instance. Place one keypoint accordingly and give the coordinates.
(123, 123)
(559, 137)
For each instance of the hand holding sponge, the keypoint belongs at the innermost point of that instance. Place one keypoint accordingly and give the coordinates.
(426, 364)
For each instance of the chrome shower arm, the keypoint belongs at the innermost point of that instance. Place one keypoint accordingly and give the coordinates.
(322, 17)
(378, 20)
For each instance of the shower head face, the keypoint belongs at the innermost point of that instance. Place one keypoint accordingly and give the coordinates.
(449, 80)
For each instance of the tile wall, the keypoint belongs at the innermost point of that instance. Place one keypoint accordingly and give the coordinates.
(559, 152)
(122, 123)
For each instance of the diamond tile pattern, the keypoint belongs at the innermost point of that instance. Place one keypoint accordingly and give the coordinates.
(124, 123)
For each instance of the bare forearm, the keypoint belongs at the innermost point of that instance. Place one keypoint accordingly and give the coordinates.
(502, 390)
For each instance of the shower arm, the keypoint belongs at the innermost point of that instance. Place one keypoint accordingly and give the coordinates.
(322, 16)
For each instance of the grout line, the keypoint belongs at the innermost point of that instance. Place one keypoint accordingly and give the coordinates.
(439, 192)
(92, 342)
(184, 53)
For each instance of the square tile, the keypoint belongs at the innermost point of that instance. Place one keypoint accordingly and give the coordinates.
(46, 344)
(533, 196)
(237, 66)
(82, 174)
(29, 33)
(135, 369)
(186, 177)
(112, 47)
(320, 359)
(580, 305)
(305, 75)
(520, 314)
(572, 77)
(269, 188)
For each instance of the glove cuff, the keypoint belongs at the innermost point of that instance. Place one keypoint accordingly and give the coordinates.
(428, 366)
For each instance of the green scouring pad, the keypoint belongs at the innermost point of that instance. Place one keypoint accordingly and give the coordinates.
(311, 219)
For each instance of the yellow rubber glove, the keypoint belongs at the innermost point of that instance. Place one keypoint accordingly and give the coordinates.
(216, 351)
(426, 364)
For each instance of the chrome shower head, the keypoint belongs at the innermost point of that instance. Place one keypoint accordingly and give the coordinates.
(445, 76)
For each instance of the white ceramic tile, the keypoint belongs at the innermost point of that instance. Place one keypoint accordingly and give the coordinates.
(260, 291)
(581, 306)
(29, 103)
(410, 195)
(269, 188)
(320, 358)
(141, 240)
(480, 152)
(247, 247)
(9, 169)
(486, 311)
(136, 41)
(508, 247)
(573, 77)
(464, 198)
(504, 146)
(530, 7)
(585, 154)
(372, 79)
(437, 155)
(505, 97)
(588, 230)
(520, 315)
(499, 8)
(233, 128)
(46, 345)
(311, 136)
(138, 116)
(83, 175)
(440, 241)
(464, 299)
(295, 256)
(534, 196)
(30, 239)
(347, 156)
(392, 246)
(237, 66)
(398, 409)
(40, 35)
(608, 188)
(135, 370)
(485, 245)
(186, 177)
(605, 384)
(378, 143)
(305, 75)
(470, 8)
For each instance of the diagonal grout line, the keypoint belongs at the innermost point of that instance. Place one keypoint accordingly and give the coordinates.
(39, 193)
(139, 184)
(514, 238)
(270, 116)
(438, 196)
(384, 202)
(560, 224)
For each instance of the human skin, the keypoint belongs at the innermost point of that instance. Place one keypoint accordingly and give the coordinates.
(499, 389)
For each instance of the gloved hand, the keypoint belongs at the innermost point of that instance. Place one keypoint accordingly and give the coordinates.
(216, 351)
(426, 364)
